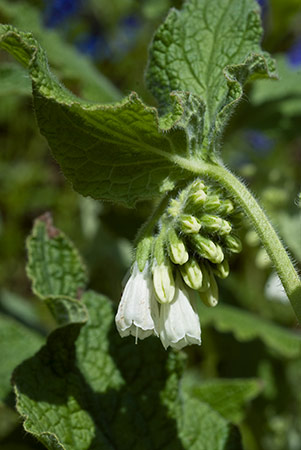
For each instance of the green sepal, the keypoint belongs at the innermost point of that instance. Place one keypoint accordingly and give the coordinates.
(205, 247)
(143, 252)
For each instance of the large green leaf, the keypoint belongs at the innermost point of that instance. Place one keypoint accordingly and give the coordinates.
(211, 49)
(69, 64)
(115, 152)
(247, 326)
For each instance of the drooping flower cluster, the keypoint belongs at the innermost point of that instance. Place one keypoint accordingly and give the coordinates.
(192, 244)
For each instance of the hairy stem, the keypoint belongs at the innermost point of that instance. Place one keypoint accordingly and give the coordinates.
(148, 227)
(269, 238)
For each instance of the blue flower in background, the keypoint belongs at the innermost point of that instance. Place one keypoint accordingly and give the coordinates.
(127, 35)
(294, 54)
(259, 141)
(94, 45)
(56, 11)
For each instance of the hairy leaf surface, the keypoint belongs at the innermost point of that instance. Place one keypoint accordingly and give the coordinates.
(115, 152)
(211, 49)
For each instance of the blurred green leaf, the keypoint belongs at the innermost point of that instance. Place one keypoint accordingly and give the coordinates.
(8, 421)
(290, 228)
(14, 80)
(69, 63)
(228, 397)
(17, 343)
(247, 326)
(284, 94)
(205, 429)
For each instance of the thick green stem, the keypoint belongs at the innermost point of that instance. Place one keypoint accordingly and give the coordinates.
(269, 238)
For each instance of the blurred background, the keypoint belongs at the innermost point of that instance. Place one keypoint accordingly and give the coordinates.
(99, 50)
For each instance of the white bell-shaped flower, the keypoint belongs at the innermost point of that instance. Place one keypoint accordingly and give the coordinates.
(179, 322)
(138, 311)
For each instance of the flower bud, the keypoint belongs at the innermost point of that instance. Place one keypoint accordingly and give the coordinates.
(212, 203)
(206, 278)
(197, 195)
(192, 274)
(189, 224)
(219, 255)
(225, 228)
(206, 247)
(226, 207)
(164, 283)
(196, 185)
(211, 223)
(176, 248)
(233, 243)
(222, 270)
(210, 296)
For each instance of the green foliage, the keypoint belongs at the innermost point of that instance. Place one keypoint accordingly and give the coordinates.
(23, 341)
(212, 58)
(54, 265)
(86, 387)
(105, 148)
(76, 69)
(14, 80)
(246, 326)
(284, 94)
(82, 389)
(228, 397)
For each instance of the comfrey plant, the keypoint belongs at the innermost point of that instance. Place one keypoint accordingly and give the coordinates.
(199, 62)
(175, 257)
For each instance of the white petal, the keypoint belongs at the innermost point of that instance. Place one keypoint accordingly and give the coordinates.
(179, 323)
(138, 312)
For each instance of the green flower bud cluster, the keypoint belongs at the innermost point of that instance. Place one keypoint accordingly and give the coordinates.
(195, 239)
